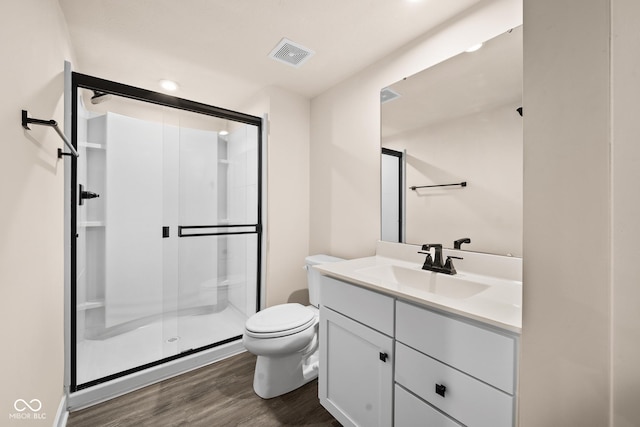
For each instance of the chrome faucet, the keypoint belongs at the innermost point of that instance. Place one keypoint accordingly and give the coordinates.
(436, 264)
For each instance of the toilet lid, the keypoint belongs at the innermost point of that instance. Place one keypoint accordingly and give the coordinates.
(285, 318)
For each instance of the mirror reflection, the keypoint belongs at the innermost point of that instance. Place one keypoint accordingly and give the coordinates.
(458, 122)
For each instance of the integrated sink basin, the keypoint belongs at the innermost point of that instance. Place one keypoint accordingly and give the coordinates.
(435, 283)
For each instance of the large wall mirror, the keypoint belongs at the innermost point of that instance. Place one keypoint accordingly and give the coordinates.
(459, 126)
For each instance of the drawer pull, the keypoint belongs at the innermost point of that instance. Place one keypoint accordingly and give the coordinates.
(384, 356)
(440, 389)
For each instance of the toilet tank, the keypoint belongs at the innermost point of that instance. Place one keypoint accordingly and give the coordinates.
(313, 276)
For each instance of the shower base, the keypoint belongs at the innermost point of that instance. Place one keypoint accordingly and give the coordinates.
(161, 338)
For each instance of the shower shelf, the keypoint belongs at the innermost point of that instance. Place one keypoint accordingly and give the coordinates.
(91, 224)
(92, 145)
(88, 305)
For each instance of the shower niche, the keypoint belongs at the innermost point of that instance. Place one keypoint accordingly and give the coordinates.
(168, 231)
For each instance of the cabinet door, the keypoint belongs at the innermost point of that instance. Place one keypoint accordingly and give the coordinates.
(356, 371)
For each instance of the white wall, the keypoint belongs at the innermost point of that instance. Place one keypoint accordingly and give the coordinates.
(34, 46)
(345, 131)
(566, 302)
(483, 149)
(625, 213)
(581, 315)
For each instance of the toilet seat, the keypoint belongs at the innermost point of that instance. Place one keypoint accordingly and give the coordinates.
(279, 321)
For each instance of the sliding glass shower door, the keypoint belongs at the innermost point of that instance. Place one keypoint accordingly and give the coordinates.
(167, 236)
(217, 234)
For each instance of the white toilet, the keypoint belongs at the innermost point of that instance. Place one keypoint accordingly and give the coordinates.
(285, 339)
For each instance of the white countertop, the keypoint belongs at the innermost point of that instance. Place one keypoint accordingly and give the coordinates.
(499, 305)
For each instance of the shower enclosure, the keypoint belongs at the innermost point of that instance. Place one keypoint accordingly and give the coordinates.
(166, 229)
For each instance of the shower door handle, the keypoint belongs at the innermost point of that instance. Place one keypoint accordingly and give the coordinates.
(165, 232)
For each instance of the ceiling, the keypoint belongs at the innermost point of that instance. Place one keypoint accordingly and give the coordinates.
(217, 50)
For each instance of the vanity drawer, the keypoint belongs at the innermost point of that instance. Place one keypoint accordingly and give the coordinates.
(471, 402)
(411, 411)
(368, 307)
(482, 353)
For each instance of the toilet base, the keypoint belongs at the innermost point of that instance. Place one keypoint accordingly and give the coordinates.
(275, 376)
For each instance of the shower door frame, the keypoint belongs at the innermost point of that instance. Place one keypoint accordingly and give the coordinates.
(401, 194)
(83, 81)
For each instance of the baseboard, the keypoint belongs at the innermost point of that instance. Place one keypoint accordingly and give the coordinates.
(62, 414)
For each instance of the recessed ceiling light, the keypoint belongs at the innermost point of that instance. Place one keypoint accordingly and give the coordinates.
(223, 132)
(168, 85)
(474, 48)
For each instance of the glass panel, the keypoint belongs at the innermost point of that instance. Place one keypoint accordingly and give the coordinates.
(119, 290)
(242, 152)
(218, 276)
(143, 292)
(218, 171)
(218, 198)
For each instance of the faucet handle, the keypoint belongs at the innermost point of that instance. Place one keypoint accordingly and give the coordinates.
(448, 265)
(428, 261)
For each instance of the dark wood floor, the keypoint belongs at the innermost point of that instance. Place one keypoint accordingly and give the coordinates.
(220, 394)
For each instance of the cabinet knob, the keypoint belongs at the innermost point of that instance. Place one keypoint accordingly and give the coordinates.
(441, 389)
(384, 356)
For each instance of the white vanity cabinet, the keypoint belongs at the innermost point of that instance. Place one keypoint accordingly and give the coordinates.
(356, 360)
(462, 368)
(387, 362)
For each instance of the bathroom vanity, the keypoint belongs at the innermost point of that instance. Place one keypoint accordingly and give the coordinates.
(404, 347)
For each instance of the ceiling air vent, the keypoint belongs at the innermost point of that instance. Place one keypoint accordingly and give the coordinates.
(291, 53)
(387, 95)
